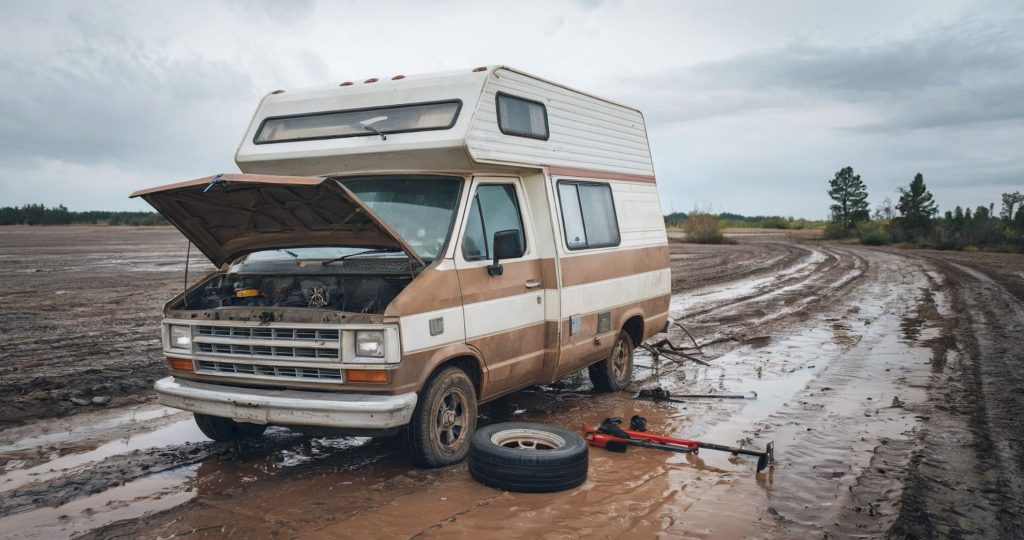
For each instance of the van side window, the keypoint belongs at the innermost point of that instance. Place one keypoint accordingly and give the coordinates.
(522, 117)
(494, 208)
(588, 215)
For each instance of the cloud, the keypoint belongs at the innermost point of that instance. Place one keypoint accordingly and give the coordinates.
(960, 74)
(106, 96)
(751, 107)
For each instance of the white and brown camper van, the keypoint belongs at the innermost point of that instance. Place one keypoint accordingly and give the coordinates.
(398, 251)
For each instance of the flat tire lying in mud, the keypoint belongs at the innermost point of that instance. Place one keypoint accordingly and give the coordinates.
(226, 429)
(529, 458)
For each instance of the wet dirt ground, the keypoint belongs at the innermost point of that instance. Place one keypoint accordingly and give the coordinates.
(891, 381)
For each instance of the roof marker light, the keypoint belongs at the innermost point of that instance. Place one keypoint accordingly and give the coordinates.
(397, 77)
(481, 68)
(368, 81)
(346, 83)
(277, 92)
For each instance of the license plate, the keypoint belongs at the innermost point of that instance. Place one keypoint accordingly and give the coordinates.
(247, 413)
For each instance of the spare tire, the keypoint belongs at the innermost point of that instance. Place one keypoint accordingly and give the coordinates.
(529, 458)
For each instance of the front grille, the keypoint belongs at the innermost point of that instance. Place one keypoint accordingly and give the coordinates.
(267, 332)
(254, 370)
(266, 351)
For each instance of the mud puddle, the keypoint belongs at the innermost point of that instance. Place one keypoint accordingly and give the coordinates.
(833, 395)
(833, 340)
(135, 499)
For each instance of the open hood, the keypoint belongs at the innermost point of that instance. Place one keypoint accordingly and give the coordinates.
(230, 215)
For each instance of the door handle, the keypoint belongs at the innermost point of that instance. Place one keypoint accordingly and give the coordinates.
(532, 284)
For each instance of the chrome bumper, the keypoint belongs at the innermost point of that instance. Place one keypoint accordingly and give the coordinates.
(287, 407)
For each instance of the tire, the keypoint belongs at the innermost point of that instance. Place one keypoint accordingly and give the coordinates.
(444, 420)
(528, 458)
(226, 429)
(615, 372)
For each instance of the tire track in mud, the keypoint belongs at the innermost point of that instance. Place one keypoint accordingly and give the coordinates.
(826, 396)
(967, 474)
(811, 340)
(805, 296)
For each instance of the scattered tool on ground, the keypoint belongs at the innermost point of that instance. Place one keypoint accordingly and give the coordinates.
(660, 394)
(612, 437)
(677, 353)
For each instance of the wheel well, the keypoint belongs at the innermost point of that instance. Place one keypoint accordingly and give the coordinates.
(467, 364)
(635, 328)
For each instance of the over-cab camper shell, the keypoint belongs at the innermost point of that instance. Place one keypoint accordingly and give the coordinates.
(396, 251)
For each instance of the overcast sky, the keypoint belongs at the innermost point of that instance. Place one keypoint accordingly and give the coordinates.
(751, 106)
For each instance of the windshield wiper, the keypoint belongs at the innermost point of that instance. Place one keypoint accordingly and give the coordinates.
(292, 253)
(367, 252)
(376, 131)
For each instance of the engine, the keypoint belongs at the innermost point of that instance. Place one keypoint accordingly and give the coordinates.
(355, 294)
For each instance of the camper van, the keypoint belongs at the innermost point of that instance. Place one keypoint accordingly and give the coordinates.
(398, 251)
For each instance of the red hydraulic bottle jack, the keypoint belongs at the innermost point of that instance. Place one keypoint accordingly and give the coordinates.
(612, 437)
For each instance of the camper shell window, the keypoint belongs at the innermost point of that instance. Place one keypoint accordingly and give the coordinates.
(588, 215)
(368, 122)
(522, 117)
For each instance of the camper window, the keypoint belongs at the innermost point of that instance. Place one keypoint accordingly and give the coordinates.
(359, 122)
(522, 117)
(588, 215)
(494, 208)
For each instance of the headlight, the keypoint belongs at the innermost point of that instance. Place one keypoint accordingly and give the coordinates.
(370, 343)
(181, 337)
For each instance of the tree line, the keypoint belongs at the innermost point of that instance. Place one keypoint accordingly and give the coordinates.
(915, 218)
(38, 214)
(728, 219)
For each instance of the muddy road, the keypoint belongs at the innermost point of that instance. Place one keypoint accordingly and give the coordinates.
(892, 383)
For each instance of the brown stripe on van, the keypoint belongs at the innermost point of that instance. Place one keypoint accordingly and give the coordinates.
(581, 349)
(478, 286)
(417, 366)
(592, 267)
(432, 290)
(514, 358)
(555, 170)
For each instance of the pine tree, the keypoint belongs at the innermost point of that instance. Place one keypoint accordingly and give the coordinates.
(916, 205)
(851, 199)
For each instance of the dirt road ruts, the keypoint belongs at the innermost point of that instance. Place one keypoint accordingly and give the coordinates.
(888, 380)
(80, 312)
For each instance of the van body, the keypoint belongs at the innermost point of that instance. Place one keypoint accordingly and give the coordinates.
(396, 252)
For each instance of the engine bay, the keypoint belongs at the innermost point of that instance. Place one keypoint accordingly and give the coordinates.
(347, 293)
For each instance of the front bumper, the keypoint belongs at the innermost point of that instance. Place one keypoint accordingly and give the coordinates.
(288, 407)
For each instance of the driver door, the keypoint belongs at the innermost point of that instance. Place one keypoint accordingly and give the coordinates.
(504, 310)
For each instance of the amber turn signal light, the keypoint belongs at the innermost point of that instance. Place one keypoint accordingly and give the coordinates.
(367, 375)
(181, 364)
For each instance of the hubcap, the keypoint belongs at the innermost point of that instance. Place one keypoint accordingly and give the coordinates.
(527, 439)
(451, 419)
(619, 361)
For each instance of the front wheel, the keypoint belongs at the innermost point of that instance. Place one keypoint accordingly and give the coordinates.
(614, 373)
(443, 421)
(226, 429)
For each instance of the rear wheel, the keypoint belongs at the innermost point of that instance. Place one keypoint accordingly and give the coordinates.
(444, 420)
(614, 373)
(226, 429)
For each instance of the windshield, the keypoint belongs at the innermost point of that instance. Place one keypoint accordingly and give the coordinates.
(420, 209)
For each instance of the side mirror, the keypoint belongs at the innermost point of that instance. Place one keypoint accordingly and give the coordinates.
(508, 244)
